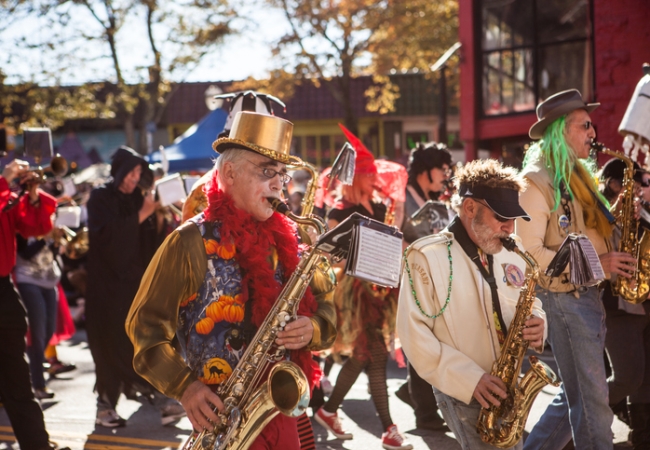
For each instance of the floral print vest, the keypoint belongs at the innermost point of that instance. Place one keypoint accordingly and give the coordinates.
(214, 324)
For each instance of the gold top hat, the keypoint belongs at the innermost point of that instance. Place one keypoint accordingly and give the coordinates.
(556, 106)
(267, 135)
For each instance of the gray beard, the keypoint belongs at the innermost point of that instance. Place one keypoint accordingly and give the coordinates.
(487, 241)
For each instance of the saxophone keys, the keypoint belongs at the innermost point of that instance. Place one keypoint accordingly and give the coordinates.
(238, 390)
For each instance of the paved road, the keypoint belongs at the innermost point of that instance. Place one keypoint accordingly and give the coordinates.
(70, 415)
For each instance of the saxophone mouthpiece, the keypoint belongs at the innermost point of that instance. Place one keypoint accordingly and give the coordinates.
(509, 244)
(597, 146)
(278, 205)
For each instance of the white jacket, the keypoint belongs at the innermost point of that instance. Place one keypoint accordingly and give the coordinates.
(453, 351)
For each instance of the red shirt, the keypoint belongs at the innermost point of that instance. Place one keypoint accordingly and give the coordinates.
(23, 218)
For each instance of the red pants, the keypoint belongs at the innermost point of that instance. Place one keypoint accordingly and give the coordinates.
(280, 433)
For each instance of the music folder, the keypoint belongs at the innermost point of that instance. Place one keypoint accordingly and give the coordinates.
(373, 249)
(577, 250)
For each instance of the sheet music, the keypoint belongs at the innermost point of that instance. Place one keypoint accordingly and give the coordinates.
(592, 258)
(578, 251)
(170, 189)
(377, 257)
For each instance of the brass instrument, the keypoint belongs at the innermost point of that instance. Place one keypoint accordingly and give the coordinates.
(633, 290)
(249, 405)
(502, 426)
(307, 205)
(76, 243)
(58, 166)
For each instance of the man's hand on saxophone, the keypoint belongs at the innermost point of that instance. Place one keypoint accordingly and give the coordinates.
(199, 402)
(534, 332)
(488, 390)
(620, 263)
(296, 334)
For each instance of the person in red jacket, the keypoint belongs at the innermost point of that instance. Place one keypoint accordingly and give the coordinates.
(29, 215)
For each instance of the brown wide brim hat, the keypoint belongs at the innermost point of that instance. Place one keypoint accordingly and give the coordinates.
(556, 106)
(269, 136)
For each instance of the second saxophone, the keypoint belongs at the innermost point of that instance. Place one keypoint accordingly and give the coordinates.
(502, 426)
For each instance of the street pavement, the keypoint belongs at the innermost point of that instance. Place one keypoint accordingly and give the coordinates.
(70, 416)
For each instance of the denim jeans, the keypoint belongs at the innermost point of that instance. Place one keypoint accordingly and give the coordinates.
(41, 304)
(581, 409)
(461, 420)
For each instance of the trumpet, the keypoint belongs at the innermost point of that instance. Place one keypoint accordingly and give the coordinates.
(58, 166)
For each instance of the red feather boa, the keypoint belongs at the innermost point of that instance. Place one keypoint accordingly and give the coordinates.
(254, 241)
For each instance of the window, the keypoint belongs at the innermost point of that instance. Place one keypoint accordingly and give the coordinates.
(532, 49)
(414, 137)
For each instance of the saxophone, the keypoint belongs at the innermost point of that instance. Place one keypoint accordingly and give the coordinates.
(502, 426)
(633, 290)
(249, 406)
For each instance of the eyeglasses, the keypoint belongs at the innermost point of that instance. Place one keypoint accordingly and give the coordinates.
(445, 170)
(588, 124)
(496, 216)
(270, 173)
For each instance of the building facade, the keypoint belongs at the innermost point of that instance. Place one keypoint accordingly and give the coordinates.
(515, 54)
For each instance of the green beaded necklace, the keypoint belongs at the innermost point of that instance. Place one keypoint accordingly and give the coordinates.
(451, 276)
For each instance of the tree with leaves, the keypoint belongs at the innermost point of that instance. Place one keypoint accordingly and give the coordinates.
(333, 41)
(169, 38)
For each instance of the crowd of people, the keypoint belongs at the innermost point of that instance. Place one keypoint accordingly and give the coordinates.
(176, 304)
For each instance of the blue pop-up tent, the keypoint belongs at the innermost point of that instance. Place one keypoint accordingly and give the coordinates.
(192, 150)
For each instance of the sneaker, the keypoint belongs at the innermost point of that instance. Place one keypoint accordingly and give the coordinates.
(332, 423)
(171, 413)
(326, 386)
(108, 418)
(392, 439)
(43, 394)
(57, 367)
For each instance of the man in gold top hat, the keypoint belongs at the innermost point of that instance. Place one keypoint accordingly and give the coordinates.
(214, 280)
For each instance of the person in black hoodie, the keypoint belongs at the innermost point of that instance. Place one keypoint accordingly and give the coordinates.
(122, 242)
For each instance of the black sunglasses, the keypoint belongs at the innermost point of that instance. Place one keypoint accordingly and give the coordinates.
(496, 216)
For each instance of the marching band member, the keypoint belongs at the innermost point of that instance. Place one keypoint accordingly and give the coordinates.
(366, 312)
(429, 170)
(562, 197)
(628, 329)
(30, 215)
(458, 295)
(214, 280)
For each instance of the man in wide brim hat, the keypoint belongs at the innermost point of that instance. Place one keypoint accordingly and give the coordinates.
(563, 198)
(556, 106)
